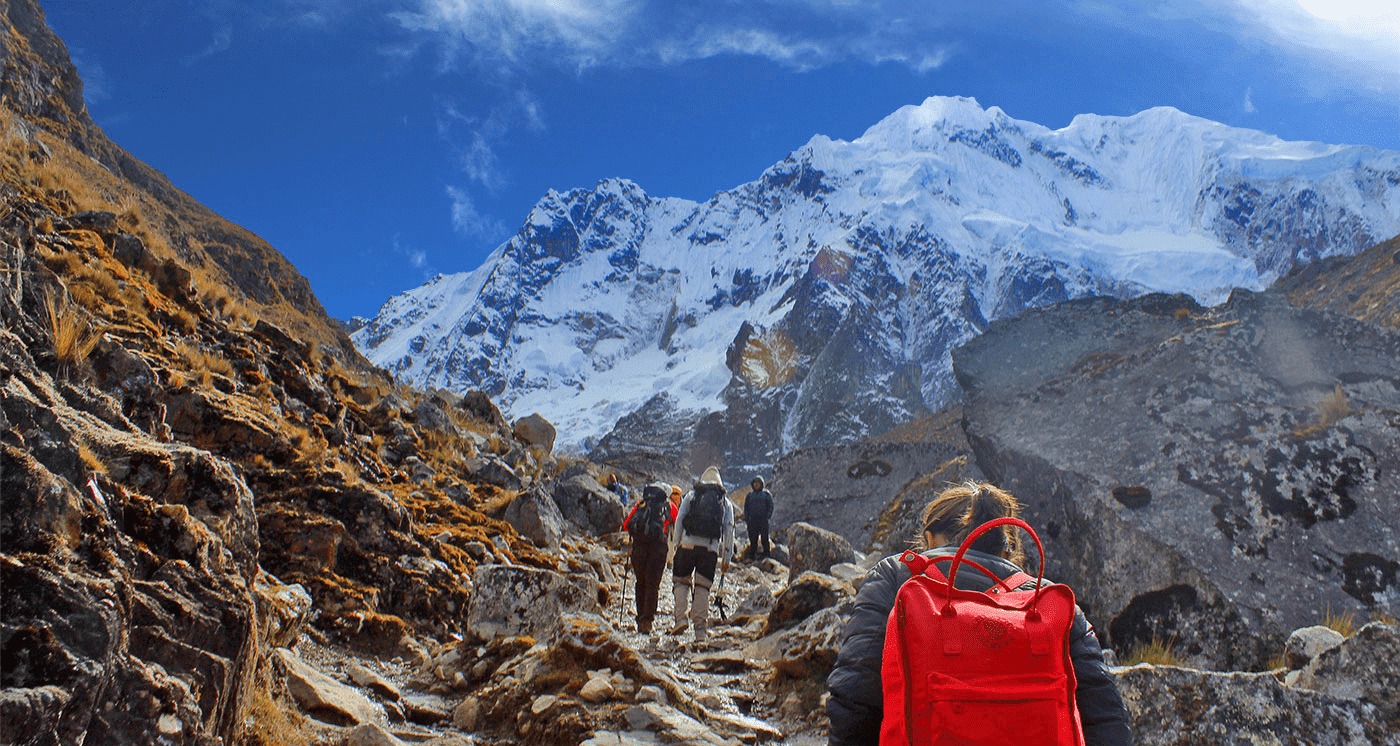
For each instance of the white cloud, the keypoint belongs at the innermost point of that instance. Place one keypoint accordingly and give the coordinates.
(223, 39)
(483, 134)
(417, 258)
(505, 35)
(468, 221)
(1359, 37)
(1249, 107)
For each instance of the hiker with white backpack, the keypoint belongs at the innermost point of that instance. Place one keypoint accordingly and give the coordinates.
(956, 643)
(702, 539)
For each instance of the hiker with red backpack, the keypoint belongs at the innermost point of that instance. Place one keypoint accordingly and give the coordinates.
(956, 644)
(649, 525)
(703, 538)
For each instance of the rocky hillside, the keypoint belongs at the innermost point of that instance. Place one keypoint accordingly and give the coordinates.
(1366, 287)
(819, 304)
(194, 462)
(42, 92)
(1209, 476)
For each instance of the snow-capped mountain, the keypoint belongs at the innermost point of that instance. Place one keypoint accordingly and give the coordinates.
(820, 302)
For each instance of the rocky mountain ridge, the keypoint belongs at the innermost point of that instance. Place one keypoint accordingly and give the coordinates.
(820, 303)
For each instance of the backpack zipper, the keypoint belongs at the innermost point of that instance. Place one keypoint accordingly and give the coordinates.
(908, 674)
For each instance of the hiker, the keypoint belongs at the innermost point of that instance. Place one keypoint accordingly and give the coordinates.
(702, 537)
(649, 525)
(758, 509)
(855, 707)
(618, 488)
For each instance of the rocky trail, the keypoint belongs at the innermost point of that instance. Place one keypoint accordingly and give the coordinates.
(637, 689)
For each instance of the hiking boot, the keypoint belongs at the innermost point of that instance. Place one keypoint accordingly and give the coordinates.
(644, 628)
(680, 627)
(701, 632)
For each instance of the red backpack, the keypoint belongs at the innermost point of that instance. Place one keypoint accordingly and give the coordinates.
(967, 668)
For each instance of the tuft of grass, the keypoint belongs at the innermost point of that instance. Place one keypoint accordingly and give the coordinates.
(1156, 651)
(1333, 407)
(73, 337)
(1343, 623)
(271, 723)
(1384, 618)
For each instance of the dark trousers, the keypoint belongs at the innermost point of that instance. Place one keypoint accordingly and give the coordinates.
(648, 566)
(759, 540)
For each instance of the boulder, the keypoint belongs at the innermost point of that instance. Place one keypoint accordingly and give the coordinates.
(1167, 703)
(1306, 643)
(322, 697)
(816, 549)
(1365, 667)
(589, 505)
(809, 593)
(1209, 476)
(848, 488)
(514, 600)
(477, 404)
(286, 608)
(370, 734)
(536, 516)
(758, 602)
(492, 470)
(365, 678)
(537, 431)
(431, 414)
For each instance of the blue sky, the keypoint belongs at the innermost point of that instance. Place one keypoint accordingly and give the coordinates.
(378, 142)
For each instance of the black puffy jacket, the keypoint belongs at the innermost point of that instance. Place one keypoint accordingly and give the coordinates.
(856, 703)
(758, 508)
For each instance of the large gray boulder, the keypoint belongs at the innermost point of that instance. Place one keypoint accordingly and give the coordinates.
(1309, 642)
(1211, 476)
(848, 488)
(536, 516)
(536, 431)
(1365, 667)
(816, 549)
(1171, 705)
(589, 505)
(510, 600)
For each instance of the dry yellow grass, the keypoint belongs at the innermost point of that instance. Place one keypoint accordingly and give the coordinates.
(1156, 651)
(73, 337)
(270, 723)
(1343, 623)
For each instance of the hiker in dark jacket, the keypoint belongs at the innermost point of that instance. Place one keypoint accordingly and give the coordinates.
(856, 706)
(650, 532)
(758, 510)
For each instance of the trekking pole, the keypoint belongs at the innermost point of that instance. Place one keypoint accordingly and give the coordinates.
(719, 596)
(622, 597)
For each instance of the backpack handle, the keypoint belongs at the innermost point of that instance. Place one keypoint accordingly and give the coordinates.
(984, 528)
(921, 565)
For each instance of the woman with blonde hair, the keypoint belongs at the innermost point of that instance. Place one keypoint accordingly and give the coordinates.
(855, 707)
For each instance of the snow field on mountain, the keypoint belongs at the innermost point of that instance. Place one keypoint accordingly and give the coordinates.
(937, 219)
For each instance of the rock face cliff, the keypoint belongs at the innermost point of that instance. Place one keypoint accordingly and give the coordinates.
(819, 304)
(192, 457)
(1215, 477)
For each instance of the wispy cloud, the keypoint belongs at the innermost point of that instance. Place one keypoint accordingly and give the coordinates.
(505, 35)
(96, 87)
(417, 258)
(483, 134)
(1360, 37)
(1249, 107)
(223, 39)
(468, 221)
